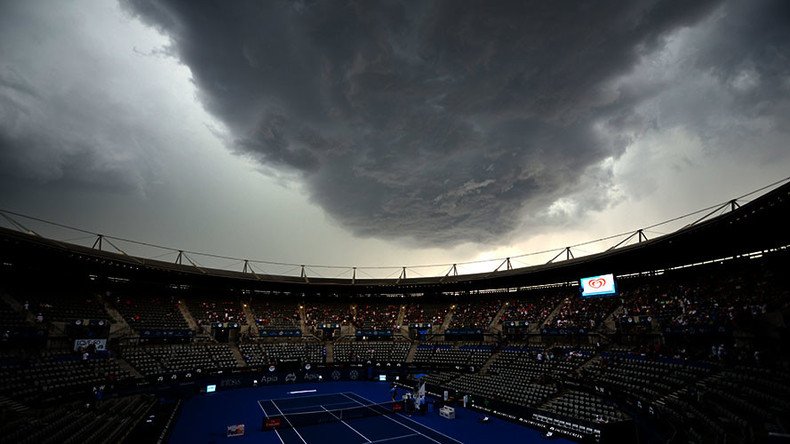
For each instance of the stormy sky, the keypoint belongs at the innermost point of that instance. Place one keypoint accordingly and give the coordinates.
(384, 133)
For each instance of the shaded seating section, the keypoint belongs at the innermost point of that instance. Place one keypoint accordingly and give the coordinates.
(208, 310)
(33, 380)
(661, 384)
(377, 351)
(271, 314)
(65, 307)
(644, 308)
(14, 327)
(645, 378)
(423, 313)
(439, 379)
(703, 401)
(584, 406)
(477, 314)
(151, 313)
(732, 301)
(739, 404)
(180, 358)
(721, 298)
(502, 388)
(377, 316)
(105, 422)
(327, 313)
(144, 362)
(519, 375)
(270, 353)
(9, 318)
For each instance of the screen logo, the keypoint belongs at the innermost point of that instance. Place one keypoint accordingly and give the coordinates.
(598, 285)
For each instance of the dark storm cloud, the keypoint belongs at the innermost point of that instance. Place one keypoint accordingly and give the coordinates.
(60, 122)
(748, 52)
(437, 121)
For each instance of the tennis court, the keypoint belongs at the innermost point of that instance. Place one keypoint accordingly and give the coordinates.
(328, 418)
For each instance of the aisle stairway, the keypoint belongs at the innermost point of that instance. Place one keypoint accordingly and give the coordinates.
(17, 307)
(129, 368)
(188, 316)
(237, 355)
(412, 351)
(491, 359)
(495, 326)
(302, 323)
(447, 320)
(120, 327)
(330, 352)
(549, 319)
(401, 315)
(252, 326)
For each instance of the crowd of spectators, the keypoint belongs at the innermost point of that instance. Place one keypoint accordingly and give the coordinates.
(532, 307)
(435, 313)
(275, 314)
(378, 316)
(327, 313)
(144, 312)
(709, 301)
(577, 313)
(210, 310)
(64, 307)
(477, 314)
(727, 300)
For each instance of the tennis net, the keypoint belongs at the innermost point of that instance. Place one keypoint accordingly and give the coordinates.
(302, 419)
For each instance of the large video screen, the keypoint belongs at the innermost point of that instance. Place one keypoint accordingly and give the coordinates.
(595, 286)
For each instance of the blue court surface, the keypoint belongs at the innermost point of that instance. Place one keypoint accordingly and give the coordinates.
(395, 429)
(205, 417)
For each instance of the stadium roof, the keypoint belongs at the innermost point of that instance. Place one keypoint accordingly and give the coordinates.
(759, 225)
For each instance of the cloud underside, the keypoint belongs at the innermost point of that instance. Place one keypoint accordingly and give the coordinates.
(450, 122)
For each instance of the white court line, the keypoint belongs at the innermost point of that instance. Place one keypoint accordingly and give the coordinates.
(346, 424)
(302, 397)
(405, 417)
(344, 403)
(396, 422)
(396, 437)
(267, 415)
(289, 423)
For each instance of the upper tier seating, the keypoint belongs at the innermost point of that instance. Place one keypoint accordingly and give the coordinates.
(271, 314)
(218, 309)
(533, 306)
(150, 312)
(427, 312)
(65, 307)
(327, 313)
(378, 316)
(577, 313)
(476, 314)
